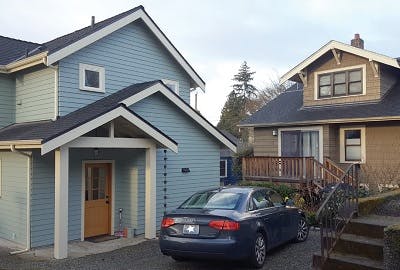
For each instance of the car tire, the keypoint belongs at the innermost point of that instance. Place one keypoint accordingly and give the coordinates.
(259, 251)
(179, 258)
(302, 230)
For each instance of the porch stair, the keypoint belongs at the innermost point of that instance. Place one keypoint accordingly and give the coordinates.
(360, 247)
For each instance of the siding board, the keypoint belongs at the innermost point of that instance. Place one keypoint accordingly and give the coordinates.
(7, 100)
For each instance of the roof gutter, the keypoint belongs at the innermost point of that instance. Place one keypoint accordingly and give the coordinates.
(31, 61)
(328, 121)
(21, 144)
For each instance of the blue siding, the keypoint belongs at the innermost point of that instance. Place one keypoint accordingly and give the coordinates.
(42, 199)
(13, 197)
(231, 178)
(7, 100)
(198, 151)
(130, 55)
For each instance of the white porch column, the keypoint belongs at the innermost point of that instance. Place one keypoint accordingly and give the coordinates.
(150, 196)
(61, 159)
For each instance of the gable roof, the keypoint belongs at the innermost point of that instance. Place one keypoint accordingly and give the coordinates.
(48, 133)
(63, 46)
(331, 45)
(287, 109)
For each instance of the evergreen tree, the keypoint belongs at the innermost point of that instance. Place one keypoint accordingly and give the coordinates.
(236, 107)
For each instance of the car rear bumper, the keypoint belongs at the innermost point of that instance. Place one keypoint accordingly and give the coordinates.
(202, 248)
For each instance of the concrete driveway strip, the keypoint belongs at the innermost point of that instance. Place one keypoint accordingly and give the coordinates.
(146, 256)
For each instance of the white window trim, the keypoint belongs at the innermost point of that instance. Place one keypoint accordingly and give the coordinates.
(306, 128)
(364, 81)
(174, 83)
(342, 144)
(82, 86)
(226, 168)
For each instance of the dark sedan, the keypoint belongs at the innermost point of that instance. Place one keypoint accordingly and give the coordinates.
(236, 223)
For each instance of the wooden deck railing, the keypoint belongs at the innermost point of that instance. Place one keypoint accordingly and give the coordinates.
(302, 170)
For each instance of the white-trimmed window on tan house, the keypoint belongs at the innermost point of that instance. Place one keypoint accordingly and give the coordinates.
(341, 82)
(352, 145)
(173, 85)
(91, 78)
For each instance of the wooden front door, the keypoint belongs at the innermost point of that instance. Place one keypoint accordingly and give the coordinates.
(97, 199)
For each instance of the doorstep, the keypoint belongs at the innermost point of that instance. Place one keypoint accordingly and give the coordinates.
(79, 248)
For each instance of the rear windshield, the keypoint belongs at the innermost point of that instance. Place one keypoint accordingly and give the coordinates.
(212, 200)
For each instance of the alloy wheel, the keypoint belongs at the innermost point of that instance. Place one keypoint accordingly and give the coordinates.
(302, 232)
(260, 249)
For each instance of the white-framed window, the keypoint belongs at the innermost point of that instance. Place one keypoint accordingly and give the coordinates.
(173, 85)
(91, 78)
(340, 82)
(352, 145)
(223, 168)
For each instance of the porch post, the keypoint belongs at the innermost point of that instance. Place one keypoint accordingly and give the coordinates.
(61, 159)
(150, 196)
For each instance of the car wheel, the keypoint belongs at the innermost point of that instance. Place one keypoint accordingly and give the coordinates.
(259, 252)
(302, 230)
(178, 258)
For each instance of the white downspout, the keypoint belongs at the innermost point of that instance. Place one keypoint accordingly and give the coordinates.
(28, 201)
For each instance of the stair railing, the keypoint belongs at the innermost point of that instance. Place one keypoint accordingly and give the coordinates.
(339, 206)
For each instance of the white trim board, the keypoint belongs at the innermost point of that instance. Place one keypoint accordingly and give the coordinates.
(159, 87)
(139, 14)
(103, 119)
(333, 44)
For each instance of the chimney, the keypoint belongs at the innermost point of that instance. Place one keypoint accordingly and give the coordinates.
(357, 41)
(93, 21)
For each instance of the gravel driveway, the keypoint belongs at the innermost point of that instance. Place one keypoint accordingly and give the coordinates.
(146, 256)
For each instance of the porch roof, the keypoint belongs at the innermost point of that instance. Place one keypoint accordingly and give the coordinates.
(287, 110)
(45, 131)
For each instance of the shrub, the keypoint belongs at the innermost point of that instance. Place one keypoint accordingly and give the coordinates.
(283, 190)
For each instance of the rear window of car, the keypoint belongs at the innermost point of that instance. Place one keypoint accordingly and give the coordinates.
(212, 200)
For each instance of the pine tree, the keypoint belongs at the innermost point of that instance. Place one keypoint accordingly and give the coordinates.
(243, 87)
(231, 114)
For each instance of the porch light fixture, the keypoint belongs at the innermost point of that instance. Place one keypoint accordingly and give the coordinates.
(96, 152)
(274, 132)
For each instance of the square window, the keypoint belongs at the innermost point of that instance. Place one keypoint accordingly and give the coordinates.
(325, 80)
(339, 89)
(172, 85)
(91, 78)
(340, 77)
(325, 91)
(355, 88)
(355, 76)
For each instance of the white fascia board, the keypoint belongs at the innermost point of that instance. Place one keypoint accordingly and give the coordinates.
(139, 14)
(372, 56)
(103, 119)
(184, 107)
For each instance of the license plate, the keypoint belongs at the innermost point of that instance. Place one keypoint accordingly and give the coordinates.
(190, 229)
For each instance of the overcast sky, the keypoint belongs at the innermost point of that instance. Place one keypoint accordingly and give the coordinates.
(216, 36)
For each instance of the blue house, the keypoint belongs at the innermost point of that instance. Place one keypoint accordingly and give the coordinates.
(94, 121)
(227, 174)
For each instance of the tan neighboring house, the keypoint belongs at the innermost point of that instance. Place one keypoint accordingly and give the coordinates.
(348, 110)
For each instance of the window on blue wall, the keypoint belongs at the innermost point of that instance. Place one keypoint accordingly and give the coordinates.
(91, 78)
(223, 168)
(172, 85)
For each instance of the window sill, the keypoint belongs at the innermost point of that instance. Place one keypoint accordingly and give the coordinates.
(90, 89)
(336, 97)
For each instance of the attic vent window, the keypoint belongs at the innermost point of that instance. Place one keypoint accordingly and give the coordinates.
(172, 85)
(91, 78)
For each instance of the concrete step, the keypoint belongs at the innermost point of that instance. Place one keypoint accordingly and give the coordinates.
(368, 247)
(339, 261)
(363, 228)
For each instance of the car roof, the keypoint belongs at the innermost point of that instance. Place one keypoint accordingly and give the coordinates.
(236, 189)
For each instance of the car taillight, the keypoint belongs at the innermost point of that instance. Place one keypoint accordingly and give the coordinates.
(167, 222)
(225, 225)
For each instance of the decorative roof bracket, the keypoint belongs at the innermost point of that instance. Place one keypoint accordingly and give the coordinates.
(375, 67)
(338, 55)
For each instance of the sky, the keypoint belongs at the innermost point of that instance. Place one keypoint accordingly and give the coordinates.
(216, 36)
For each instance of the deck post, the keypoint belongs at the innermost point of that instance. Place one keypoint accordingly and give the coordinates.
(150, 193)
(61, 161)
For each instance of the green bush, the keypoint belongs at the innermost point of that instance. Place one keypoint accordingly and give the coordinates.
(311, 218)
(283, 190)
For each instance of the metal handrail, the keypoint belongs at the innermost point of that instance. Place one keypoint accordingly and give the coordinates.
(336, 211)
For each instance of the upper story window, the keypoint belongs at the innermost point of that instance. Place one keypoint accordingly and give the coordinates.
(173, 85)
(340, 82)
(91, 78)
